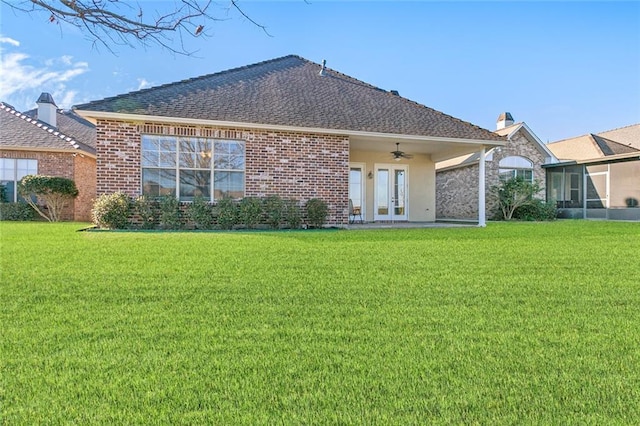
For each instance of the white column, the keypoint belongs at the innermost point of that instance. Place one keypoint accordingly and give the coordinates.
(482, 220)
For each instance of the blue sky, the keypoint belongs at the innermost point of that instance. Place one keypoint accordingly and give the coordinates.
(565, 68)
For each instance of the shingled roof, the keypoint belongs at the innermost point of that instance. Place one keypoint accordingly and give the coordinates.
(23, 130)
(587, 147)
(290, 91)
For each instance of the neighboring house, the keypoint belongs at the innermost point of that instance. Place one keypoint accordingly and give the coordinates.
(523, 155)
(287, 127)
(48, 141)
(598, 175)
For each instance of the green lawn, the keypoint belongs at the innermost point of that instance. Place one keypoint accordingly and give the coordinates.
(514, 323)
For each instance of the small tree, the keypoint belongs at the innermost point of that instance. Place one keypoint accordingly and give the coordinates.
(52, 192)
(513, 193)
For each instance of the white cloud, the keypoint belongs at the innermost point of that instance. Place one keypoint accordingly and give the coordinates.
(143, 83)
(8, 40)
(23, 79)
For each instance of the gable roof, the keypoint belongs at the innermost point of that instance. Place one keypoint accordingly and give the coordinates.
(24, 131)
(290, 91)
(509, 132)
(588, 147)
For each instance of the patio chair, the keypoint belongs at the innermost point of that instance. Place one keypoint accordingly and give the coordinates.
(354, 212)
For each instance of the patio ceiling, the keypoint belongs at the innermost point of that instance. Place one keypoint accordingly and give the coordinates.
(439, 149)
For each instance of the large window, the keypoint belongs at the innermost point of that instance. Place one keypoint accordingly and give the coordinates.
(511, 167)
(11, 171)
(187, 167)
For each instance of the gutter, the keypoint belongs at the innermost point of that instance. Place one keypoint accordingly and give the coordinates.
(92, 115)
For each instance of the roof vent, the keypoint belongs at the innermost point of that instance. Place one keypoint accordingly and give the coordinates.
(47, 109)
(324, 64)
(394, 92)
(504, 120)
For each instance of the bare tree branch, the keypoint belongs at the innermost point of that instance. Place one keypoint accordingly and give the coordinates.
(114, 22)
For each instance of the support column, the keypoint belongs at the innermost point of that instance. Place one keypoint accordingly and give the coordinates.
(482, 219)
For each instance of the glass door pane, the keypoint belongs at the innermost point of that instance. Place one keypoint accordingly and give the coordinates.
(399, 192)
(382, 193)
(355, 187)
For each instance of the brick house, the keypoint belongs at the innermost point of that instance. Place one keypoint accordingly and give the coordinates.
(287, 127)
(48, 141)
(523, 155)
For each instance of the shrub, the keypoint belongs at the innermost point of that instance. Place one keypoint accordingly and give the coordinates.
(537, 210)
(200, 213)
(250, 211)
(514, 193)
(169, 212)
(227, 213)
(146, 208)
(274, 209)
(112, 211)
(16, 211)
(52, 192)
(3, 194)
(292, 213)
(317, 212)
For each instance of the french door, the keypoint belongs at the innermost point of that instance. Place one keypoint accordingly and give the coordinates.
(391, 192)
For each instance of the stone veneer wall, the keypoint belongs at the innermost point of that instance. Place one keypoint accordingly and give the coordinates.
(457, 189)
(289, 164)
(63, 164)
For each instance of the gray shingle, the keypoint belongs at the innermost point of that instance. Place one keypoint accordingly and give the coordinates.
(289, 91)
(23, 130)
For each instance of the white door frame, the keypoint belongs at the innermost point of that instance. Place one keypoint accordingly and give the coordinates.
(390, 200)
(363, 191)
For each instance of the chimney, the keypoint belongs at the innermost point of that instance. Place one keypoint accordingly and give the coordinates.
(504, 120)
(47, 109)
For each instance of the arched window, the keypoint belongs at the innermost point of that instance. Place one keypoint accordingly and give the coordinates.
(516, 166)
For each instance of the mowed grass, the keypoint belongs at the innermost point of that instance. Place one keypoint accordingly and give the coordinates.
(517, 323)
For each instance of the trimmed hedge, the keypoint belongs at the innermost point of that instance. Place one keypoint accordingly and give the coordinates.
(119, 211)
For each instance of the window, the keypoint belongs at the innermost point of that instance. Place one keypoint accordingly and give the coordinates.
(512, 167)
(186, 167)
(11, 171)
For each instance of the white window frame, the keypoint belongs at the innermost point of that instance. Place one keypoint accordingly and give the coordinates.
(32, 169)
(515, 167)
(176, 167)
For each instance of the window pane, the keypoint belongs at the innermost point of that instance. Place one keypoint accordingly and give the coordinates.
(158, 151)
(150, 158)
(516, 162)
(194, 183)
(7, 171)
(229, 155)
(158, 182)
(228, 184)
(195, 153)
(9, 190)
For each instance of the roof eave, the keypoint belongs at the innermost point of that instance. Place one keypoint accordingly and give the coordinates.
(47, 149)
(93, 115)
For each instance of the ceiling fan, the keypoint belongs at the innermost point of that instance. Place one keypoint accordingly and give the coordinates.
(398, 155)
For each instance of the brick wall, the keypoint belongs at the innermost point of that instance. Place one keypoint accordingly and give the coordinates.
(457, 189)
(64, 164)
(289, 164)
(85, 179)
